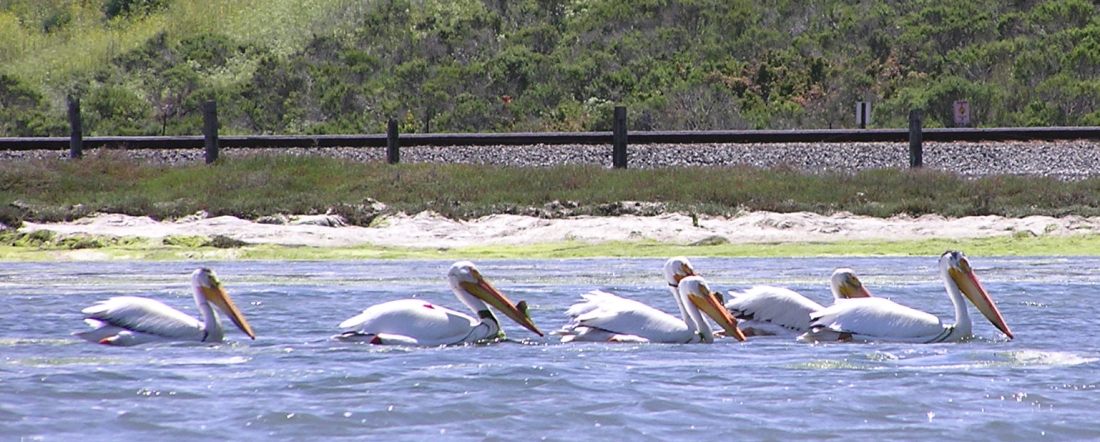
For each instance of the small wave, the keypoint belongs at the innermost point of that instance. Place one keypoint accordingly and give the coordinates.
(12, 342)
(831, 364)
(882, 356)
(950, 361)
(227, 360)
(1000, 359)
(1035, 358)
(41, 362)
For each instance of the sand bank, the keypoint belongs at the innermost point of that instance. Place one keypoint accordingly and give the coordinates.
(429, 230)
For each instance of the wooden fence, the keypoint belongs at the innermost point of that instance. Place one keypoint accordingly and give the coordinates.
(618, 138)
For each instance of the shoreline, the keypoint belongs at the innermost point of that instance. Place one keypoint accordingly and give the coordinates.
(427, 235)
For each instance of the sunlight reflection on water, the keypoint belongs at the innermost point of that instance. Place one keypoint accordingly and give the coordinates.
(295, 383)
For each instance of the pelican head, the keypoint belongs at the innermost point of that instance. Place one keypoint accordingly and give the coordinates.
(466, 280)
(206, 282)
(846, 285)
(696, 290)
(676, 269)
(957, 267)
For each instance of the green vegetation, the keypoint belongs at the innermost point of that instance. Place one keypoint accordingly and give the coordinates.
(258, 185)
(46, 240)
(137, 249)
(346, 66)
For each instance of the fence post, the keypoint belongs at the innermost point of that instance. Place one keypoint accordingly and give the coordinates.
(916, 138)
(863, 113)
(210, 129)
(618, 152)
(76, 135)
(393, 147)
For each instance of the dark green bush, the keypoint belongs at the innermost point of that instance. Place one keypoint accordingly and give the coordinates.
(128, 8)
(533, 65)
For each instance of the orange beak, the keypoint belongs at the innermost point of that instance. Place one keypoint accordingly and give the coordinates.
(217, 296)
(970, 286)
(708, 304)
(852, 288)
(486, 292)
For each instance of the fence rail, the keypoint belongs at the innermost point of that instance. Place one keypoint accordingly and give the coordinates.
(617, 138)
(558, 138)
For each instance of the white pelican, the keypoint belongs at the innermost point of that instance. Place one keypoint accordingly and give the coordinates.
(767, 310)
(130, 320)
(879, 319)
(605, 317)
(418, 322)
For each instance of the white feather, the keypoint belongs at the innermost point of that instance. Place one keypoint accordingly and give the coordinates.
(414, 322)
(604, 316)
(142, 320)
(771, 310)
(866, 319)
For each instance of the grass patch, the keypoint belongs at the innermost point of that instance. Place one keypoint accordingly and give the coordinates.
(1083, 245)
(87, 40)
(47, 240)
(254, 185)
(186, 241)
(136, 249)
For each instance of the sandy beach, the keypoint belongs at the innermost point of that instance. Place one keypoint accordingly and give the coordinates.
(429, 230)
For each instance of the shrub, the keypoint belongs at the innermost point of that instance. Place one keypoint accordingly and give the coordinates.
(128, 8)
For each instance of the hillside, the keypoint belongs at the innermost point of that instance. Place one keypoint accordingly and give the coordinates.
(141, 67)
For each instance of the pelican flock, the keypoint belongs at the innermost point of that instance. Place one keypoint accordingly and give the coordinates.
(417, 322)
(606, 317)
(769, 311)
(131, 320)
(854, 316)
(879, 319)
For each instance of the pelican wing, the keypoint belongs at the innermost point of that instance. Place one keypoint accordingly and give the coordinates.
(415, 322)
(771, 308)
(140, 316)
(624, 319)
(874, 319)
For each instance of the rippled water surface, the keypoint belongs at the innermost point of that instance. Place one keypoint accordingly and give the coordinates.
(294, 383)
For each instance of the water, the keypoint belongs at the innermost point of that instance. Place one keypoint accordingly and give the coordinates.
(295, 383)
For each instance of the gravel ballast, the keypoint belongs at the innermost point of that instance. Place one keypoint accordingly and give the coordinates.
(1068, 160)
